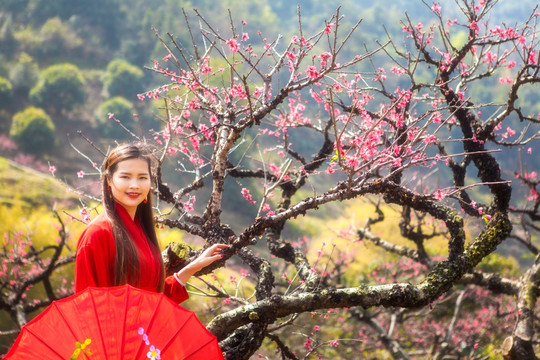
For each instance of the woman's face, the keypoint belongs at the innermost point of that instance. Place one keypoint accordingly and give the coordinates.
(130, 184)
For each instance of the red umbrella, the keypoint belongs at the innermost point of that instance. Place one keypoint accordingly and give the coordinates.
(115, 323)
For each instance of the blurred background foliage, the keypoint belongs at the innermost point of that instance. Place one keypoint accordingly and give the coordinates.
(65, 65)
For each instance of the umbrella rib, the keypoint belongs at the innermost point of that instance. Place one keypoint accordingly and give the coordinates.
(158, 304)
(43, 341)
(99, 324)
(125, 318)
(176, 333)
(200, 347)
(65, 320)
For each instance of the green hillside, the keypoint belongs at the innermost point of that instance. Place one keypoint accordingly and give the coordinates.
(25, 187)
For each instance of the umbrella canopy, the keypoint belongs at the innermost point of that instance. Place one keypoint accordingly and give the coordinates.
(115, 323)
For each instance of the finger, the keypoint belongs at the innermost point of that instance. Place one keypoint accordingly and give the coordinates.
(220, 246)
(217, 248)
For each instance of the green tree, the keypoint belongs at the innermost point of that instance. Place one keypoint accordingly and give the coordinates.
(56, 38)
(61, 87)
(117, 108)
(122, 79)
(6, 104)
(7, 39)
(24, 74)
(33, 131)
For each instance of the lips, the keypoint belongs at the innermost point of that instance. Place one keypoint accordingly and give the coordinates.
(133, 195)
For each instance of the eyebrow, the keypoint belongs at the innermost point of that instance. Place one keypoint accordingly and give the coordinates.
(130, 173)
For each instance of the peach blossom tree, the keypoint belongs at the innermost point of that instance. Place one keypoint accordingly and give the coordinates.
(384, 122)
(427, 123)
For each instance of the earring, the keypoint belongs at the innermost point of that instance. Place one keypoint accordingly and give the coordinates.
(110, 192)
(146, 200)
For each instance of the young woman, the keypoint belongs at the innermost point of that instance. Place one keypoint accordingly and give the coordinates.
(120, 245)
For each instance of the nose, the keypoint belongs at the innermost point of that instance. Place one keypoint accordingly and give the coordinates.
(134, 184)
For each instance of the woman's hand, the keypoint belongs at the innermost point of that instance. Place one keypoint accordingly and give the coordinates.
(207, 257)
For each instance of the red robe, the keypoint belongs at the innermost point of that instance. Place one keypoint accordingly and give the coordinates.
(96, 250)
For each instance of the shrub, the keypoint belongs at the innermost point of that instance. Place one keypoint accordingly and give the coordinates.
(33, 131)
(6, 93)
(122, 110)
(59, 86)
(122, 79)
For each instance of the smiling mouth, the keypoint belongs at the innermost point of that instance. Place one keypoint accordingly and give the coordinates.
(133, 195)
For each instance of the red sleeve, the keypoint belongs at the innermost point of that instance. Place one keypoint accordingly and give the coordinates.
(174, 290)
(94, 264)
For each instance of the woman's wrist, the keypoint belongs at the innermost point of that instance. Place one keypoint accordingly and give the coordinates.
(185, 273)
(178, 279)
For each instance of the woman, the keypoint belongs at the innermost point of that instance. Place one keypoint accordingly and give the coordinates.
(120, 245)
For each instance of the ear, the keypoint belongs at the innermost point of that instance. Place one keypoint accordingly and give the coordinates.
(107, 178)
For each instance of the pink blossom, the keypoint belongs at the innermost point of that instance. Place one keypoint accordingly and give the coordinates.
(258, 91)
(7, 144)
(451, 22)
(439, 195)
(506, 80)
(353, 162)
(430, 139)
(380, 74)
(307, 344)
(436, 8)
(195, 142)
(247, 195)
(510, 131)
(166, 58)
(534, 195)
(529, 151)
(233, 45)
(532, 57)
(193, 104)
(189, 205)
(334, 343)
(85, 216)
(325, 56)
(331, 168)
(245, 36)
(329, 27)
(397, 70)
(205, 68)
(80, 174)
(490, 57)
(52, 169)
(315, 96)
(407, 29)
(111, 115)
(312, 72)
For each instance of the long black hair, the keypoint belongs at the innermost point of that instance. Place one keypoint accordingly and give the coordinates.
(127, 262)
